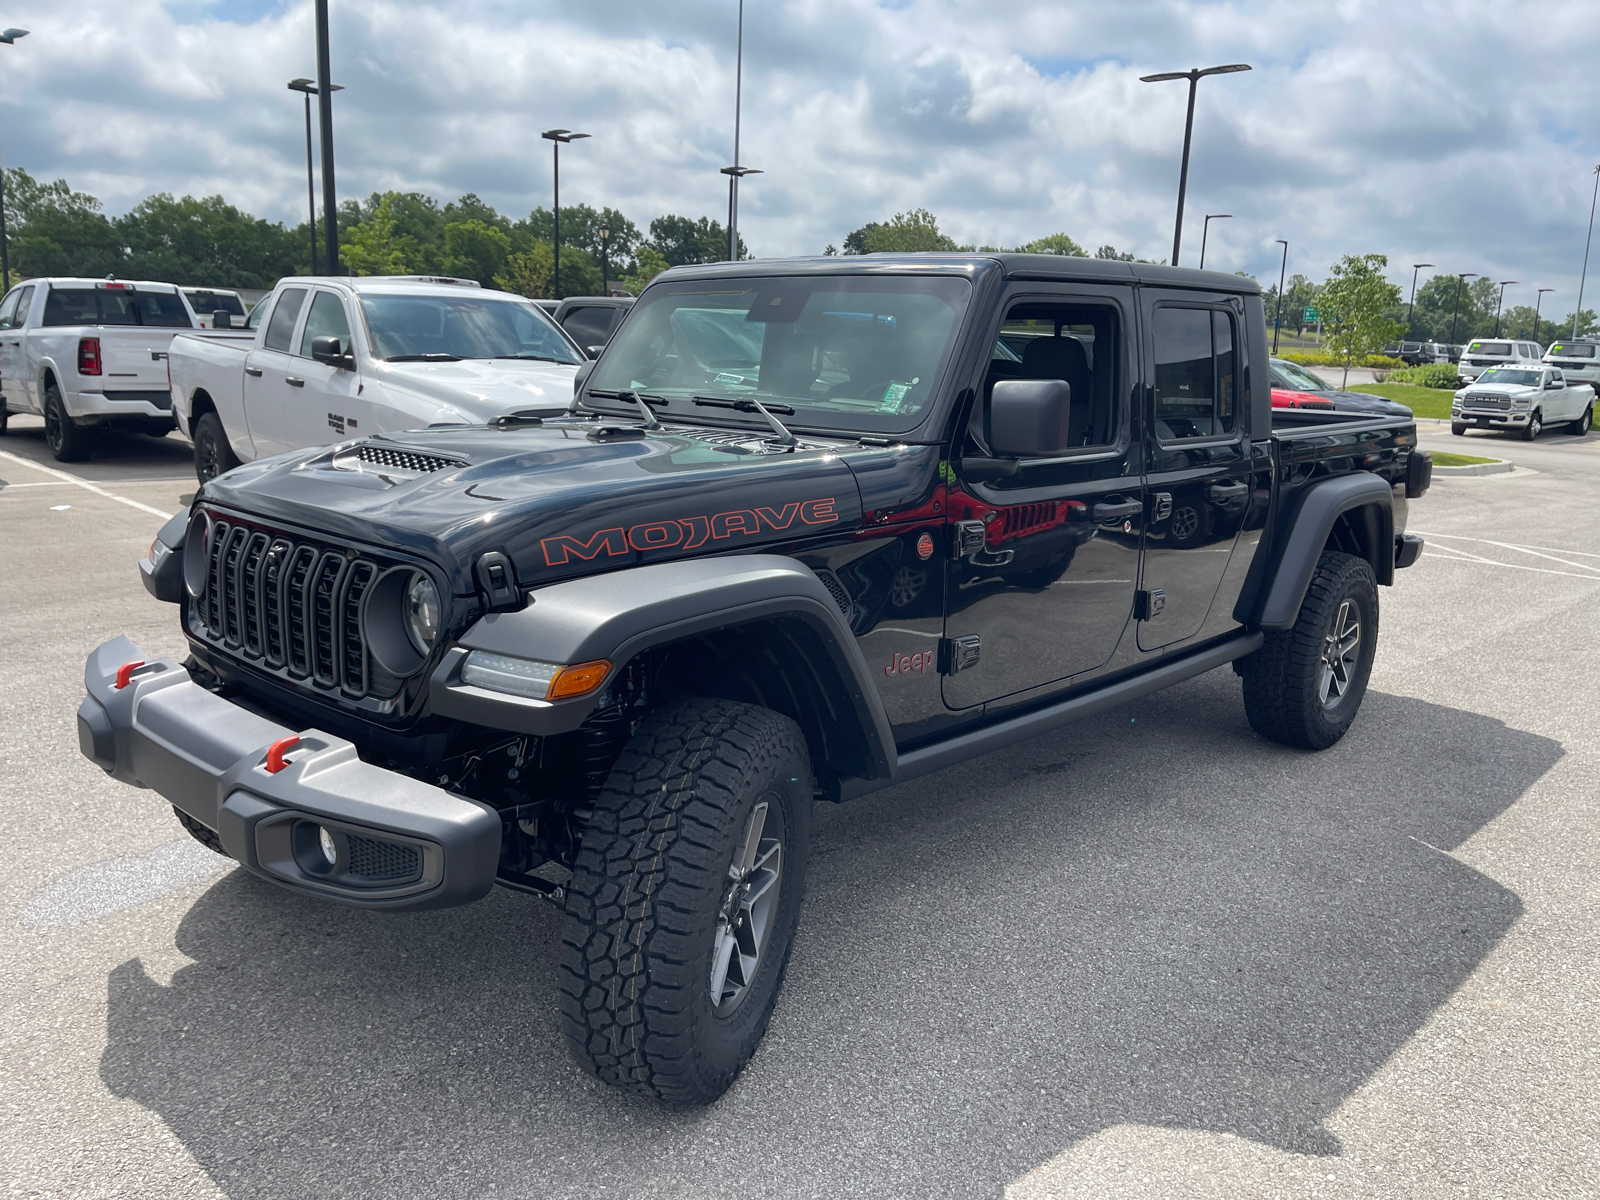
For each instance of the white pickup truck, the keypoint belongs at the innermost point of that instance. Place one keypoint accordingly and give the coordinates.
(333, 358)
(89, 354)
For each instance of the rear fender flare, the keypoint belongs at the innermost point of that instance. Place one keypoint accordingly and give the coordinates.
(1304, 532)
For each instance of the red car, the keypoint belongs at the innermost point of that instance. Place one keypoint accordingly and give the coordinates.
(1284, 398)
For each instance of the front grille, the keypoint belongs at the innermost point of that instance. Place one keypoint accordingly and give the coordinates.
(1498, 403)
(386, 861)
(403, 460)
(294, 606)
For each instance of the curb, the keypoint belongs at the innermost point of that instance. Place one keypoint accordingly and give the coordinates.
(1498, 467)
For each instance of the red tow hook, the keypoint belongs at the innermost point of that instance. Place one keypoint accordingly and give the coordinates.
(126, 670)
(277, 750)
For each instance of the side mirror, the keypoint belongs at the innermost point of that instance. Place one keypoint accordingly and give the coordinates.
(327, 350)
(222, 319)
(1553, 384)
(1028, 417)
(581, 378)
(594, 351)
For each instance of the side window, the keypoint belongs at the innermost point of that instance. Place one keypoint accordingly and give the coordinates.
(326, 319)
(589, 325)
(24, 303)
(8, 309)
(1077, 343)
(70, 306)
(1196, 366)
(280, 329)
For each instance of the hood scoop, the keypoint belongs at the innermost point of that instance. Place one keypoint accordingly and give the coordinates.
(369, 464)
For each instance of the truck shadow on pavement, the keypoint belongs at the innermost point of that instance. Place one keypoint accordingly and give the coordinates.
(1152, 917)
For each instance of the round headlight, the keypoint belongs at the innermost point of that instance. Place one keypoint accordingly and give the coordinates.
(422, 613)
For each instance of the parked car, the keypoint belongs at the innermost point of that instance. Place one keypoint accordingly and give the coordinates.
(1578, 361)
(89, 355)
(1524, 399)
(591, 320)
(1414, 354)
(612, 658)
(341, 357)
(215, 308)
(1484, 353)
(1298, 387)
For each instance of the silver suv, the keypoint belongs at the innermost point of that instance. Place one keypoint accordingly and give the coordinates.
(1578, 360)
(1483, 353)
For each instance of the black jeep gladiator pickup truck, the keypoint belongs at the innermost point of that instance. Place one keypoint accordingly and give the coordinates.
(811, 528)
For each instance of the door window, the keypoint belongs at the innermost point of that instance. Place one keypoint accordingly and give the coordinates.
(1196, 373)
(589, 325)
(8, 309)
(1073, 342)
(280, 329)
(326, 319)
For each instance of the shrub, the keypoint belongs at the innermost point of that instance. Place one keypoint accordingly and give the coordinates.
(1322, 358)
(1429, 375)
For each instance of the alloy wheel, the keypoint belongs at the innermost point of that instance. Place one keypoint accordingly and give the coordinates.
(1341, 650)
(1184, 524)
(53, 433)
(749, 907)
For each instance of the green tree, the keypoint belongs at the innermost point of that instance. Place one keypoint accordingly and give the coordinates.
(531, 272)
(580, 225)
(1523, 320)
(1354, 303)
(682, 240)
(203, 241)
(1055, 243)
(916, 231)
(57, 231)
(474, 249)
(648, 265)
(369, 248)
(1584, 322)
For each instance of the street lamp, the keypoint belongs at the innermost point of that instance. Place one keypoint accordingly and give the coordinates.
(9, 37)
(1460, 279)
(735, 174)
(1193, 76)
(1283, 270)
(557, 138)
(325, 90)
(604, 233)
(1415, 268)
(1205, 231)
(1583, 277)
(310, 89)
(1500, 303)
(1537, 304)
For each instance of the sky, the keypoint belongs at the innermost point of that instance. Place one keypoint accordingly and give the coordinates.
(1462, 134)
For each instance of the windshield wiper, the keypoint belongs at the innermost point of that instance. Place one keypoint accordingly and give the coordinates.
(423, 358)
(644, 402)
(534, 357)
(748, 404)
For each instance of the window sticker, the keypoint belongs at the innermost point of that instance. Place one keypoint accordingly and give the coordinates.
(894, 396)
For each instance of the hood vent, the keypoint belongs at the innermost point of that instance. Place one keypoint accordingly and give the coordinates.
(404, 460)
(751, 441)
(384, 465)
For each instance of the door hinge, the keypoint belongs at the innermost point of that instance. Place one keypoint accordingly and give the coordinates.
(958, 654)
(1148, 605)
(967, 537)
(1161, 506)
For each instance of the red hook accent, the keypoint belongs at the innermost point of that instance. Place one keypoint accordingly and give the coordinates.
(125, 670)
(277, 750)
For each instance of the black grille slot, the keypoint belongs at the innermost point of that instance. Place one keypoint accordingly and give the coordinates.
(294, 592)
(386, 861)
(324, 634)
(212, 609)
(403, 460)
(357, 581)
(228, 576)
(249, 584)
(272, 600)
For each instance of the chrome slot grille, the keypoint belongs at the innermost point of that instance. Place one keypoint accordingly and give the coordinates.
(1499, 403)
(294, 606)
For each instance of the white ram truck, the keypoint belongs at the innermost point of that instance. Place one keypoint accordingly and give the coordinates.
(333, 358)
(87, 355)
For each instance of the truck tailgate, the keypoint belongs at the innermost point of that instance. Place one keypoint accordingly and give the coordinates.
(134, 359)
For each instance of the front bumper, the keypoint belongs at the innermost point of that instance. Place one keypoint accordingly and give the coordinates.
(1490, 420)
(401, 844)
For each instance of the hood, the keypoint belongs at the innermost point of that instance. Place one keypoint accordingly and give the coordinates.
(480, 389)
(572, 496)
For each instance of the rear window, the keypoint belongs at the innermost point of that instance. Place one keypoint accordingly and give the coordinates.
(206, 303)
(1573, 349)
(104, 306)
(1490, 348)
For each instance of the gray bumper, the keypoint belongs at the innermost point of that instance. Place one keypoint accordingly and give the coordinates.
(401, 844)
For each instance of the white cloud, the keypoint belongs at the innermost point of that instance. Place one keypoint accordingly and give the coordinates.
(1453, 133)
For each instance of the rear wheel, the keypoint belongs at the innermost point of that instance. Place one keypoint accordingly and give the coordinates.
(1581, 425)
(684, 899)
(212, 454)
(68, 441)
(1305, 685)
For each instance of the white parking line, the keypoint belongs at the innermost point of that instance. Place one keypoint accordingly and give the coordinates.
(83, 483)
(1457, 554)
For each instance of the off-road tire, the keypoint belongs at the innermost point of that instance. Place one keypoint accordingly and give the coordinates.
(5, 418)
(1459, 428)
(1534, 427)
(212, 454)
(207, 837)
(650, 878)
(67, 440)
(1581, 425)
(1281, 680)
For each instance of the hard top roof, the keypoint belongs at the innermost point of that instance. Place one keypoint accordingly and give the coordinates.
(395, 284)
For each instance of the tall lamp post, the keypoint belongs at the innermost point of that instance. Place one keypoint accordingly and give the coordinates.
(1283, 270)
(1500, 303)
(1205, 231)
(557, 138)
(1194, 77)
(735, 174)
(1537, 305)
(325, 89)
(1584, 276)
(9, 37)
(1410, 308)
(1456, 312)
(310, 89)
(604, 233)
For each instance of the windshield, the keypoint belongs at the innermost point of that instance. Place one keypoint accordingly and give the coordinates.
(1299, 377)
(853, 352)
(1503, 348)
(1573, 349)
(444, 328)
(1510, 377)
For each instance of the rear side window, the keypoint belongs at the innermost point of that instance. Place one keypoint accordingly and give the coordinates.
(73, 306)
(590, 325)
(326, 319)
(1197, 374)
(280, 329)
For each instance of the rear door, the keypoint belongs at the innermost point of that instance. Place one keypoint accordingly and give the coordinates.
(13, 377)
(267, 369)
(324, 403)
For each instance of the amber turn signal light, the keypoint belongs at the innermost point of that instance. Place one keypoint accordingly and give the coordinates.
(578, 680)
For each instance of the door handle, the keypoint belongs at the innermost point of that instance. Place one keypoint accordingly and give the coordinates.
(294, 381)
(253, 371)
(1227, 491)
(1105, 512)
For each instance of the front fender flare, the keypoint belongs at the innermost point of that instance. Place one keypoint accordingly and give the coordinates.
(1304, 534)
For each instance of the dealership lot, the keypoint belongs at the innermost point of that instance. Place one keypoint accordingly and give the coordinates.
(1152, 955)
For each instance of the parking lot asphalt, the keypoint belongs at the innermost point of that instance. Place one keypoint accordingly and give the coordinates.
(1148, 956)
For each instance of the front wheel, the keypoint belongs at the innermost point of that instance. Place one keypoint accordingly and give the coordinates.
(1534, 427)
(1305, 685)
(1459, 428)
(1581, 425)
(684, 899)
(67, 440)
(212, 454)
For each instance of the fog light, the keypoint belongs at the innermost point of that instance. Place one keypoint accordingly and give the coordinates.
(330, 849)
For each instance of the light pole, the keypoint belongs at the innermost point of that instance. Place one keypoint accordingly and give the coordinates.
(1577, 316)
(1460, 279)
(1537, 305)
(1205, 231)
(310, 90)
(330, 204)
(1415, 268)
(556, 138)
(1500, 303)
(1193, 76)
(1283, 270)
(9, 37)
(735, 174)
(604, 232)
